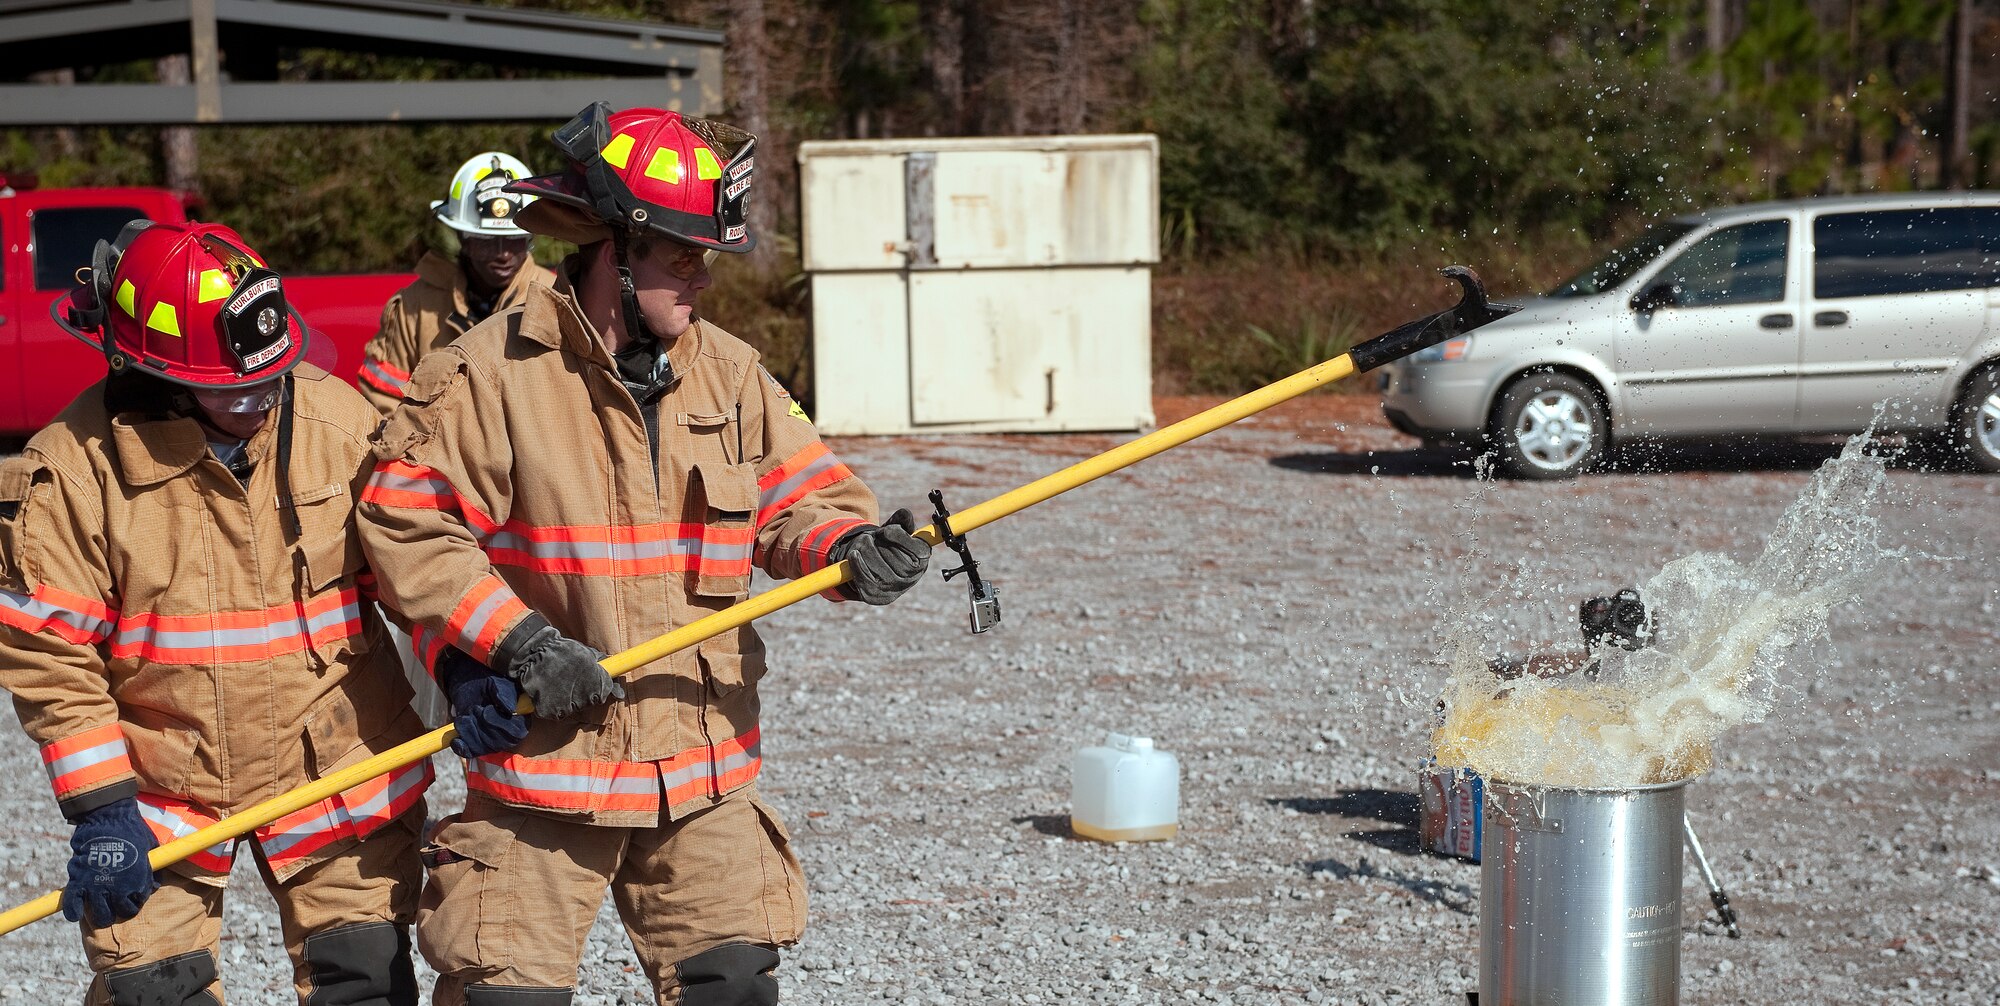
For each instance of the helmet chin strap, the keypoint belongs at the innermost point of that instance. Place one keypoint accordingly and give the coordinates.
(628, 299)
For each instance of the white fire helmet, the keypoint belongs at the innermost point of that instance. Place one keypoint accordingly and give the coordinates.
(479, 202)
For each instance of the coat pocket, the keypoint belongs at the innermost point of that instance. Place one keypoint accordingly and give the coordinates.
(731, 660)
(332, 565)
(164, 750)
(353, 722)
(728, 529)
(467, 915)
(17, 480)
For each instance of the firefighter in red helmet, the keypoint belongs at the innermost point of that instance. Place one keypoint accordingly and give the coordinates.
(573, 477)
(184, 629)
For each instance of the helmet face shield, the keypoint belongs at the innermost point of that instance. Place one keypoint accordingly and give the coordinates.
(256, 398)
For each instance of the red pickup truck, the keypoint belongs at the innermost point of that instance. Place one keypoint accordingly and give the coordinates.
(46, 235)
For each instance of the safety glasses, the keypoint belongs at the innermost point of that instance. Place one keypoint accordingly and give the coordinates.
(683, 262)
(254, 399)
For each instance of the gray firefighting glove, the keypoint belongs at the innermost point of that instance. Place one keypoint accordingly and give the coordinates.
(888, 560)
(559, 673)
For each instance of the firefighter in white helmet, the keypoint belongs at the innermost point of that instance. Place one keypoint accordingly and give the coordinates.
(492, 273)
(576, 476)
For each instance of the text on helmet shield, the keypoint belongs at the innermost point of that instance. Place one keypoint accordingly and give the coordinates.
(241, 302)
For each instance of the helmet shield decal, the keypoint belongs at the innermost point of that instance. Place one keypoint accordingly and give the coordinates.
(496, 206)
(254, 319)
(738, 149)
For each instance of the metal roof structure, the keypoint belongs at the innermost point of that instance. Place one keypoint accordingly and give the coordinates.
(233, 47)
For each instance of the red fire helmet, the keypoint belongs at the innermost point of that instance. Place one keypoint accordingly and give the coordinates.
(646, 169)
(191, 303)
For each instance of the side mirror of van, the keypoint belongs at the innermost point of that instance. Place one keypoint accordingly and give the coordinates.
(1665, 293)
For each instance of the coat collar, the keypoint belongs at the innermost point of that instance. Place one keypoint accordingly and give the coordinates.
(444, 274)
(448, 274)
(554, 319)
(151, 451)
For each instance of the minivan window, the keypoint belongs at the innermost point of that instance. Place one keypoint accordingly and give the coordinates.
(1630, 257)
(1906, 251)
(1744, 264)
(64, 239)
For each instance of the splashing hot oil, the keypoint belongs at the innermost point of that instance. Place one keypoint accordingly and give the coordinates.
(1724, 652)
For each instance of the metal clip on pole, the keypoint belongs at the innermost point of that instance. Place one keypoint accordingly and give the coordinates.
(985, 599)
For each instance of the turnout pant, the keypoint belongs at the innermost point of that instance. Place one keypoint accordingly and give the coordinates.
(706, 901)
(346, 925)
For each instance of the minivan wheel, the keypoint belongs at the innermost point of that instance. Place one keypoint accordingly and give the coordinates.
(1549, 426)
(1976, 421)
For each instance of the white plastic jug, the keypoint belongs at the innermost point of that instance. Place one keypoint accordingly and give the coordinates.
(1125, 791)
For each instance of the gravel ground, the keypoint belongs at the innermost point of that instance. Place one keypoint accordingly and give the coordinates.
(1266, 603)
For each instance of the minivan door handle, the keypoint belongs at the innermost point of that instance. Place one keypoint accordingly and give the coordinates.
(1779, 320)
(1830, 319)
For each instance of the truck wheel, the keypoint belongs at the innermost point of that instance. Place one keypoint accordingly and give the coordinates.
(1549, 426)
(1975, 422)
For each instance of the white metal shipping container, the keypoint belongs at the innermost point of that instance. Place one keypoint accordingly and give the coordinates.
(981, 285)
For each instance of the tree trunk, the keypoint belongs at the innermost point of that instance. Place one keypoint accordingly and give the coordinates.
(1070, 69)
(178, 152)
(748, 71)
(1955, 169)
(944, 51)
(1716, 28)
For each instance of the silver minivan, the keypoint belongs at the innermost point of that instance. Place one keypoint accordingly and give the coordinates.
(1768, 319)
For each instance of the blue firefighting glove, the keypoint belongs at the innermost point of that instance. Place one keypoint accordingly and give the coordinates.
(562, 675)
(109, 876)
(482, 706)
(888, 560)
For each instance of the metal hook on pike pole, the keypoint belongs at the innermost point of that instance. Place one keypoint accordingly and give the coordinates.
(985, 599)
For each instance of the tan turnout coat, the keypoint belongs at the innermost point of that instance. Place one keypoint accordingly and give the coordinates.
(425, 317)
(517, 475)
(164, 636)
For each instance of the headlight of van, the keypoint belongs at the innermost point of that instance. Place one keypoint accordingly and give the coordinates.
(1444, 352)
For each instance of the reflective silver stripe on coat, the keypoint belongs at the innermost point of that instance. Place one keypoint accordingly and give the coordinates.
(562, 782)
(43, 611)
(770, 497)
(338, 813)
(196, 639)
(114, 748)
(475, 623)
(403, 483)
(182, 829)
(617, 552)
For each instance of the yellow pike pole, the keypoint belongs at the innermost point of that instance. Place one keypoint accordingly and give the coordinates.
(1471, 312)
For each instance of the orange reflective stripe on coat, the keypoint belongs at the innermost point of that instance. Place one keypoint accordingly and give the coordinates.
(591, 787)
(631, 550)
(813, 467)
(577, 549)
(72, 617)
(385, 378)
(482, 618)
(171, 819)
(352, 813)
(81, 759)
(428, 646)
(226, 637)
(406, 486)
